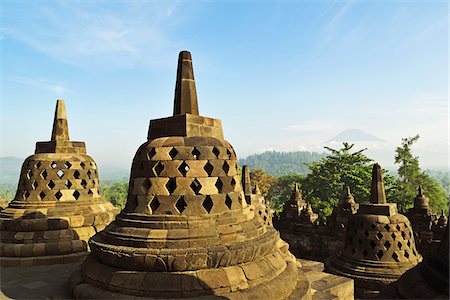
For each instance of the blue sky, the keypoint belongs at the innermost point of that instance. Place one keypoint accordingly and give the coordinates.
(281, 75)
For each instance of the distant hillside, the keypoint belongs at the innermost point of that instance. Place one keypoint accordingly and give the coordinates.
(282, 163)
(354, 135)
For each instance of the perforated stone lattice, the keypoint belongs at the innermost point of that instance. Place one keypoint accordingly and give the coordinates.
(185, 180)
(58, 180)
(382, 242)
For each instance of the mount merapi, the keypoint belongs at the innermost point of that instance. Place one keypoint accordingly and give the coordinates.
(282, 163)
(354, 135)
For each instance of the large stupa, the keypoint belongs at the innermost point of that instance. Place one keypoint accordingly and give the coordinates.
(186, 229)
(57, 206)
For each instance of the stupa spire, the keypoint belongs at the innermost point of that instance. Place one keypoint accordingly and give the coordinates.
(420, 191)
(377, 195)
(348, 197)
(185, 101)
(60, 130)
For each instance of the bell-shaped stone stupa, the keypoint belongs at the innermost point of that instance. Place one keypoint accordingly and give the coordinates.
(379, 244)
(186, 229)
(57, 207)
(343, 211)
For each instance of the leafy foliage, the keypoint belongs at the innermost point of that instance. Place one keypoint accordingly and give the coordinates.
(282, 163)
(323, 187)
(410, 176)
(281, 191)
(265, 181)
(116, 192)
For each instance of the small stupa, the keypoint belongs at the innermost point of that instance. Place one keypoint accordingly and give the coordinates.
(420, 215)
(57, 207)
(379, 244)
(293, 207)
(307, 216)
(186, 229)
(343, 211)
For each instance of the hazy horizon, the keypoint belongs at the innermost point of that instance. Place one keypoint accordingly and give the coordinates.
(282, 76)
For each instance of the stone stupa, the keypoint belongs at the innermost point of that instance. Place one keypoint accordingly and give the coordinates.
(343, 211)
(379, 244)
(186, 229)
(57, 206)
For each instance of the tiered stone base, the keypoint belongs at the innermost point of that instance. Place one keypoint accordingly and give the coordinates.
(370, 277)
(50, 235)
(273, 276)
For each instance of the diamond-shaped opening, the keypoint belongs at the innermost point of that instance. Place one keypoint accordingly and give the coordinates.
(208, 204)
(226, 167)
(183, 168)
(26, 194)
(60, 173)
(403, 234)
(68, 184)
(196, 186)
(173, 152)
(154, 204)
(372, 244)
(393, 236)
(51, 184)
(208, 168)
(406, 254)
(58, 195)
(387, 245)
(387, 227)
(366, 233)
(67, 165)
(216, 152)
(265, 219)
(379, 235)
(365, 253)
(158, 168)
(398, 227)
(76, 194)
(89, 173)
(83, 183)
(219, 185)
(228, 202)
(373, 226)
(379, 254)
(400, 245)
(151, 153)
(44, 174)
(41, 195)
(233, 183)
(414, 252)
(83, 165)
(90, 192)
(260, 212)
(38, 165)
(395, 256)
(34, 185)
(29, 174)
(181, 204)
(53, 165)
(171, 185)
(408, 243)
(229, 153)
(196, 153)
(76, 174)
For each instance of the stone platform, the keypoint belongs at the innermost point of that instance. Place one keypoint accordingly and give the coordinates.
(50, 282)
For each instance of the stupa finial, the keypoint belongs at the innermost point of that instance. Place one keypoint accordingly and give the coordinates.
(377, 194)
(420, 191)
(185, 93)
(348, 197)
(60, 130)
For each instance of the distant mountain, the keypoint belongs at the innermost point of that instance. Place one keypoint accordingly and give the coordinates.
(282, 163)
(354, 135)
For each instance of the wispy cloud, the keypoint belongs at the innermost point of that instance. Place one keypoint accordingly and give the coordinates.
(312, 125)
(330, 29)
(83, 33)
(57, 88)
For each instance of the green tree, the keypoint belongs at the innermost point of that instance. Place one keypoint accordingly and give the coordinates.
(281, 191)
(410, 176)
(324, 185)
(264, 180)
(116, 193)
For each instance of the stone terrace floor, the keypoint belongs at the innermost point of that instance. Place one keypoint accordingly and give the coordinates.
(50, 282)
